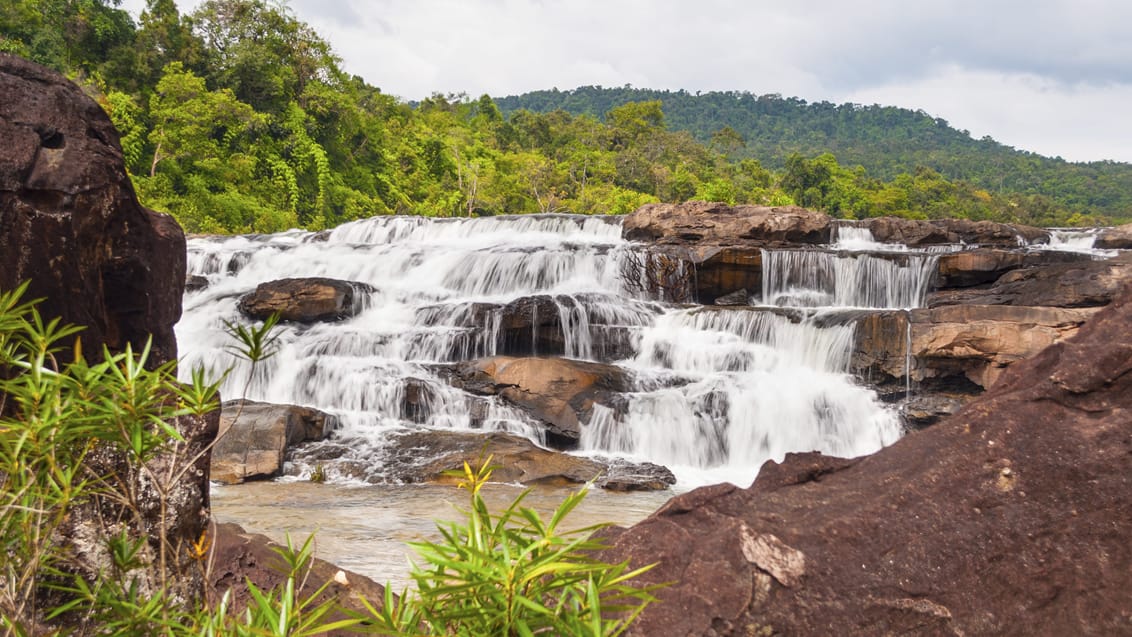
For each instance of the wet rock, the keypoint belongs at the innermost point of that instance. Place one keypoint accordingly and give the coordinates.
(724, 271)
(254, 438)
(558, 392)
(306, 300)
(969, 268)
(1075, 284)
(196, 283)
(961, 347)
(1007, 516)
(716, 223)
(910, 232)
(241, 558)
(424, 455)
(738, 297)
(1118, 238)
(72, 225)
(993, 234)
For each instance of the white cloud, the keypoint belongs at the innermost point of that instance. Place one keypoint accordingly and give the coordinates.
(1051, 76)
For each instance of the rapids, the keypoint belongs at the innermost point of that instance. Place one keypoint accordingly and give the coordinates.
(718, 390)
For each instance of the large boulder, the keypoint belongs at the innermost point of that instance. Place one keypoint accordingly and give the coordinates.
(716, 223)
(254, 438)
(558, 392)
(1118, 238)
(1010, 517)
(71, 223)
(305, 300)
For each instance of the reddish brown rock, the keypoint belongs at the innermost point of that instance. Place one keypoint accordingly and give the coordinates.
(716, 223)
(240, 557)
(71, 223)
(1009, 518)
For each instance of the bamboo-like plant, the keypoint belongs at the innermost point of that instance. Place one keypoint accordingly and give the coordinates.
(514, 574)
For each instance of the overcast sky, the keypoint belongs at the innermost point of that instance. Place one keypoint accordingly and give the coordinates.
(1051, 76)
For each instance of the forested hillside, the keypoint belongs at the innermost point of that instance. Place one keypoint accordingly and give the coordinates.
(885, 140)
(238, 117)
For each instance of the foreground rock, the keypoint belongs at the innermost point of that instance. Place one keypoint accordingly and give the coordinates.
(254, 438)
(558, 392)
(424, 455)
(240, 557)
(1010, 517)
(71, 223)
(306, 300)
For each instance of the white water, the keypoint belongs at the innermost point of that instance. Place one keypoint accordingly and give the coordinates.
(719, 391)
(1075, 240)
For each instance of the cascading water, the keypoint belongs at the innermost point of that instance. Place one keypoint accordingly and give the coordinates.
(719, 391)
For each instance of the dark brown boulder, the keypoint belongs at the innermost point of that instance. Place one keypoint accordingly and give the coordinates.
(1118, 238)
(305, 300)
(716, 223)
(71, 223)
(254, 438)
(1008, 518)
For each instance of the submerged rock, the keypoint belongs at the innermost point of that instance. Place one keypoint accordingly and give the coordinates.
(424, 455)
(254, 438)
(305, 300)
(1009, 517)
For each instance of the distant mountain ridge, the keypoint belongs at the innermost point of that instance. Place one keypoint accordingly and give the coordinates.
(885, 140)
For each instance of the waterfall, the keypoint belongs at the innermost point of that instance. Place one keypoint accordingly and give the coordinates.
(717, 391)
(818, 278)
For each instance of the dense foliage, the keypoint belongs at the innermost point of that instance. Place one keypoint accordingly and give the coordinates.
(83, 445)
(239, 118)
(892, 144)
